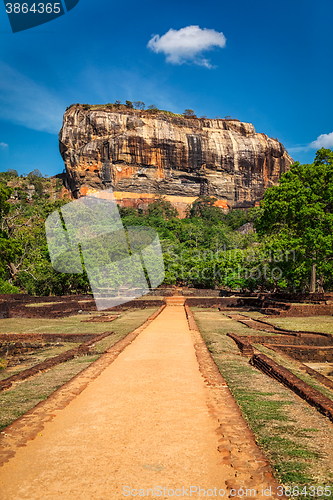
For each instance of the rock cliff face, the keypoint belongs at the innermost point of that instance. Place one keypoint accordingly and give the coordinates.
(142, 155)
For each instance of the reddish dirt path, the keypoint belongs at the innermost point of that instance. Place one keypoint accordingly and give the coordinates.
(144, 422)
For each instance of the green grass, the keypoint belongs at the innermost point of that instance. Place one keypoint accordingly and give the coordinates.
(255, 315)
(41, 304)
(70, 324)
(224, 325)
(3, 364)
(321, 324)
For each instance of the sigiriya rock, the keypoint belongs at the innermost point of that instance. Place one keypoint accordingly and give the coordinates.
(142, 155)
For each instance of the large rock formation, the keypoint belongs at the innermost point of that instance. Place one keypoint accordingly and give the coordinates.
(142, 155)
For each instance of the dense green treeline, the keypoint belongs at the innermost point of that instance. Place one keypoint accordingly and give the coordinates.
(290, 249)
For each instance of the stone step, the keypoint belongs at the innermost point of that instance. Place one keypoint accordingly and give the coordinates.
(175, 301)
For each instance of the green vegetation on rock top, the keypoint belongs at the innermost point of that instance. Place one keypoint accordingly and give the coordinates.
(140, 107)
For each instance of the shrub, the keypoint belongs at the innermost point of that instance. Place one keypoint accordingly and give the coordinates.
(6, 287)
(139, 105)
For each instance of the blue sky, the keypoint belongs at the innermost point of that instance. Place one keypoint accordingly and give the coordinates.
(264, 62)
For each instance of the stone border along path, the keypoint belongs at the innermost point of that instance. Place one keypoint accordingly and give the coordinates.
(158, 414)
(237, 443)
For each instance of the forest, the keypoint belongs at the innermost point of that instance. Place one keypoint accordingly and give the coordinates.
(285, 244)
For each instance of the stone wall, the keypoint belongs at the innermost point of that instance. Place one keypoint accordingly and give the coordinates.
(301, 388)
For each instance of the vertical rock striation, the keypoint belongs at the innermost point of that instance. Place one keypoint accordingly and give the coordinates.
(142, 155)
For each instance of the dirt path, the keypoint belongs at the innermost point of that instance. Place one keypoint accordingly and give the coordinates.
(143, 423)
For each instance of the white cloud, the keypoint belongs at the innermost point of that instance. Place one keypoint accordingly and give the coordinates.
(323, 141)
(26, 102)
(187, 44)
(3, 145)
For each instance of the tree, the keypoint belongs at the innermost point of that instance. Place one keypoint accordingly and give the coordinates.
(152, 108)
(236, 218)
(204, 208)
(9, 175)
(162, 208)
(35, 175)
(129, 104)
(139, 105)
(5, 194)
(189, 113)
(298, 215)
(9, 248)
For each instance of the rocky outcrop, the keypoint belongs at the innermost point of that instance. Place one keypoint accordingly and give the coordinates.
(141, 155)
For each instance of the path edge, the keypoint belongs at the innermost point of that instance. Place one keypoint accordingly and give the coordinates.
(31, 423)
(233, 428)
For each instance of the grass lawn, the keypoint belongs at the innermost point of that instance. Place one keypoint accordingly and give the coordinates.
(71, 324)
(321, 324)
(41, 304)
